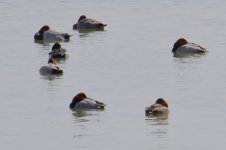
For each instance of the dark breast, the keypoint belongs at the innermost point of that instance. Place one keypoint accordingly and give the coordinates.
(38, 36)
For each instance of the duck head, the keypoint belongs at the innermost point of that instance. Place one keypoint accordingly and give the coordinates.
(81, 17)
(78, 98)
(44, 28)
(39, 34)
(56, 46)
(162, 102)
(178, 43)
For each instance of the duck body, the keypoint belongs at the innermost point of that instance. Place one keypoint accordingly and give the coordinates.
(160, 107)
(47, 34)
(88, 24)
(86, 104)
(81, 101)
(50, 68)
(182, 46)
(57, 51)
(52, 35)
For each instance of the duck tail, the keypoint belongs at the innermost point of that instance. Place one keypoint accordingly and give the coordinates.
(101, 25)
(67, 36)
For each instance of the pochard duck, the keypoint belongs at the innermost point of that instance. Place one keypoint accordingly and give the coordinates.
(160, 107)
(85, 23)
(50, 68)
(57, 51)
(45, 33)
(182, 46)
(81, 101)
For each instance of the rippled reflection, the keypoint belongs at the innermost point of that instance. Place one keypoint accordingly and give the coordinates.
(157, 121)
(157, 128)
(88, 33)
(51, 77)
(81, 115)
(46, 42)
(187, 55)
(84, 121)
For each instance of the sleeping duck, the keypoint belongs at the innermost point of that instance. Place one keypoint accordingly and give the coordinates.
(81, 101)
(46, 34)
(182, 46)
(50, 68)
(85, 23)
(160, 107)
(57, 51)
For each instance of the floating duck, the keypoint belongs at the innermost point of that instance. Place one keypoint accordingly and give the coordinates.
(46, 34)
(160, 107)
(81, 101)
(182, 46)
(85, 23)
(50, 68)
(57, 51)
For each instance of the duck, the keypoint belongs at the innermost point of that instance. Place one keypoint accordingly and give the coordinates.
(45, 33)
(57, 51)
(183, 46)
(50, 68)
(85, 23)
(81, 101)
(160, 107)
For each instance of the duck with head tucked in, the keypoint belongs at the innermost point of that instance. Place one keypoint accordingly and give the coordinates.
(57, 51)
(50, 68)
(160, 107)
(81, 101)
(46, 34)
(85, 23)
(182, 46)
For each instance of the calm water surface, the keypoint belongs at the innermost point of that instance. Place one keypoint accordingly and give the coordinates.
(127, 66)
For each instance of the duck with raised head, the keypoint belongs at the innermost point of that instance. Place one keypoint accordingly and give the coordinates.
(50, 68)
(81, 101)
(183, 46)
(85, 23)
(160, 107)
(57, 51)
(46, 34)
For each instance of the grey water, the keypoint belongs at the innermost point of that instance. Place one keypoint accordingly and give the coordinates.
(127, 66)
